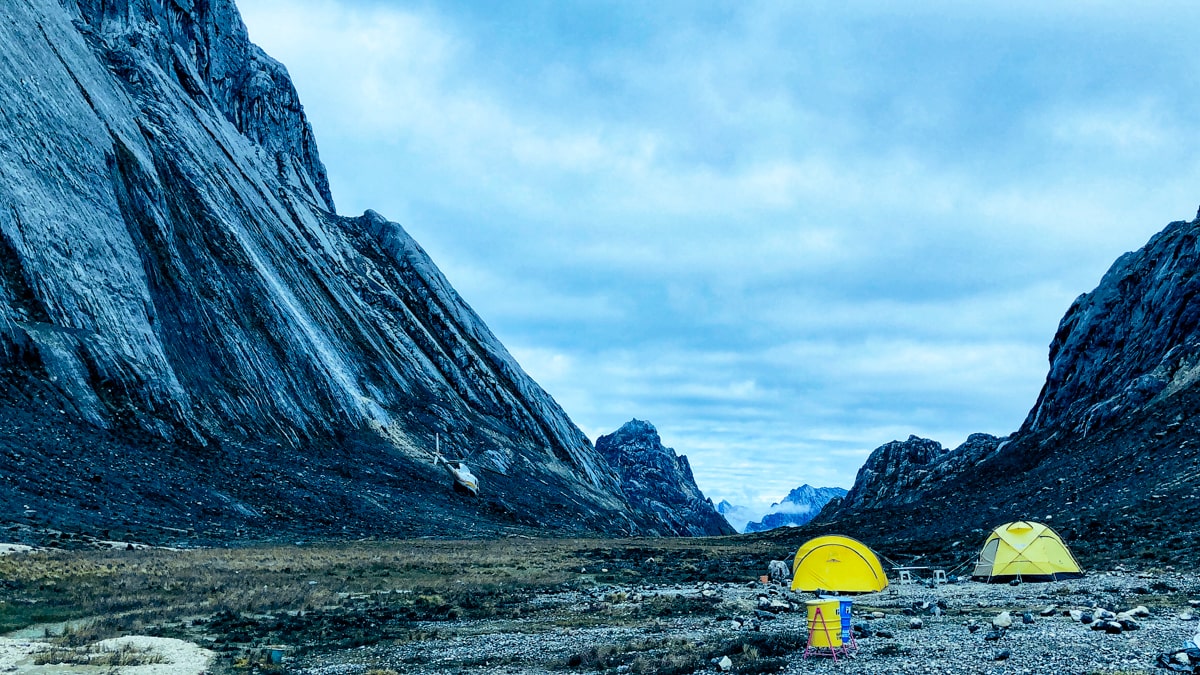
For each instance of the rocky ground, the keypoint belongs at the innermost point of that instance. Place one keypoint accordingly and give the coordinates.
(761, 628)
(518, 605)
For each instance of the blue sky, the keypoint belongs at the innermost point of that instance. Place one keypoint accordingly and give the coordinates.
(783, 233)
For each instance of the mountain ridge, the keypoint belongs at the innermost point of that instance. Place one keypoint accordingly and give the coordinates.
(194, 340)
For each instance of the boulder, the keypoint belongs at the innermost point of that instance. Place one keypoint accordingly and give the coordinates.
(779, 572)
(1002, 620)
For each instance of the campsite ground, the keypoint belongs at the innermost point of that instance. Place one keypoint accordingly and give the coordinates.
(547, 606)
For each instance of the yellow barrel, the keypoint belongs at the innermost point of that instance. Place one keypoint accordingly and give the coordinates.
(824, 630)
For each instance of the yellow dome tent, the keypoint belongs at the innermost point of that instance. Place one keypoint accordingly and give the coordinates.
(839, 564)
(1027, 551)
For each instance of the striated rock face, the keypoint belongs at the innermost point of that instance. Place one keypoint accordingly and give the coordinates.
(797, 508)
(176, 290)
(1134, 339)
(658, 481)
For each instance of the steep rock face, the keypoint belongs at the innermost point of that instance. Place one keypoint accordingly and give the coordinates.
(202, 45)
(1132, 340)
(797, 508)
(172, 271)
(658, 481)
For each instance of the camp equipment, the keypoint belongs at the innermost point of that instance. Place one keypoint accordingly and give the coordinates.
(1026, 551)
(829, 627)
(837, 564)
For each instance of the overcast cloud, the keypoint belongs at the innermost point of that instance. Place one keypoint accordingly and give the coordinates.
(783, 233)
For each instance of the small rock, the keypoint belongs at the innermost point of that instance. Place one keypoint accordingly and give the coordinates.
(1186, 616)
(1086, 618)
(724, 665)
(885, 634)
(972, 627)
(1113, 628)
(1077, 615)
(1002, 620)
(1026, 618)
(1048, 611)
(1129, 624)
(1140, 611)
(994, 635)
(916, 623)
(1002, 655)
(1182, 657)
(877, 615)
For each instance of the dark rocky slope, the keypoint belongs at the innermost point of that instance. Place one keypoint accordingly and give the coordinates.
(192, 340)
(658, 481)
(1109, 455)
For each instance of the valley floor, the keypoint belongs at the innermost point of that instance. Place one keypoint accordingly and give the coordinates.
(668, 606)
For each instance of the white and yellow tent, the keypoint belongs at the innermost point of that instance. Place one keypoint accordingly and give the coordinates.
(1027, 551)
(837, 564)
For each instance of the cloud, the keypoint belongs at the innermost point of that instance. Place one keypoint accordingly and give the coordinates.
(783, 233)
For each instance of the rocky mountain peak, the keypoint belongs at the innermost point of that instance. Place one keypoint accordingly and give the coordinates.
(799, 507)
(656, 480)
(1133, 339)
(202, 45)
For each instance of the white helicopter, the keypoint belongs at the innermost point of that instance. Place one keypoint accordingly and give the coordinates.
(464, 481)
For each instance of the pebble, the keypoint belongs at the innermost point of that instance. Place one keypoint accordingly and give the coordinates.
(1056, 643)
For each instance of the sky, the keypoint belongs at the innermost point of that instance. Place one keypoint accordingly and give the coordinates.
(784, 233)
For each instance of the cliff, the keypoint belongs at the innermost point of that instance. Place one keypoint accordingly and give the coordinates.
(193, 340)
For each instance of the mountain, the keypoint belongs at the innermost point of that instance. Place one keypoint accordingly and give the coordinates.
(658, 481)
(195, 345)
(1108, 454)
(737, 516)
(797, 508)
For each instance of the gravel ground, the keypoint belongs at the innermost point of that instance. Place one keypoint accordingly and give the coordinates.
(1056, 643)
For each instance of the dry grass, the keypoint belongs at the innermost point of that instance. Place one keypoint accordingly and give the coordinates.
(125, 655)
(131, 590)
(335, 596)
